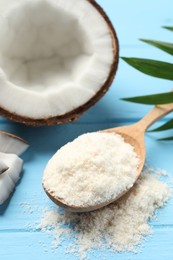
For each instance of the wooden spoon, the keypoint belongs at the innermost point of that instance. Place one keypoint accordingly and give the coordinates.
(134, 135)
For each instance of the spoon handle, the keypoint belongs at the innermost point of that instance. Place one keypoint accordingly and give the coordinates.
(156, 113)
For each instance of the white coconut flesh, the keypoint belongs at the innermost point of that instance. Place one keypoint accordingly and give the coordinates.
(10, 164)
(12, 144)
(9, 178)
(3, 167)
(55, 55)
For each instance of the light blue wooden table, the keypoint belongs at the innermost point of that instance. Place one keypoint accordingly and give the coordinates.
(132, 19)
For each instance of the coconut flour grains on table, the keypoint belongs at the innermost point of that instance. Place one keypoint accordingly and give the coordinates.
(92, 169)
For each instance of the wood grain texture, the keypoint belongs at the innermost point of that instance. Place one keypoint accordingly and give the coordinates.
(133, 20)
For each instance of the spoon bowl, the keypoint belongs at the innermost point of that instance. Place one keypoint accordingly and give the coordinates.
(133, 135)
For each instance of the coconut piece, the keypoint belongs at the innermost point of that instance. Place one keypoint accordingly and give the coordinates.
(57, 58)
(10, 143)
(10, 177)
(3, 167)
(6, 187)
(14, 163)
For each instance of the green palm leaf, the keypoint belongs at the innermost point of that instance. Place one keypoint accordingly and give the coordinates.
(168, 28)
(153, 68)
(164, 46)
(167, 139)
(157, 69)
(167, 126)
(157, 99)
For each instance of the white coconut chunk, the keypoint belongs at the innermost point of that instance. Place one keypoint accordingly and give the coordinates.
(14, 164)
(12, 144)
(10, 177)
(3, 167)
(54, 56)
(6, 187)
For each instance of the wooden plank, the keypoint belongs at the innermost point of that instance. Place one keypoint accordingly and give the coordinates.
(36, 245)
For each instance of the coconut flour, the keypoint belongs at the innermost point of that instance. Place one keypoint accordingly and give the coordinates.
(120, 226)
(94, 168)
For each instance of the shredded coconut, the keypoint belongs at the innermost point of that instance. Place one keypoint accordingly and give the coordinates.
(94, 168)
(120, 226)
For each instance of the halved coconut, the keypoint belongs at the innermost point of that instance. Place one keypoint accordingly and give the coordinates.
(57, 58)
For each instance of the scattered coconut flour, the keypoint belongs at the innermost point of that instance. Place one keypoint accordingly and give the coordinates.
(120, 226)
(94, 168)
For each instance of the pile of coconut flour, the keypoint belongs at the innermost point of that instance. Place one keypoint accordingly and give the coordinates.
(94, 168)
(120, 226)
